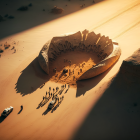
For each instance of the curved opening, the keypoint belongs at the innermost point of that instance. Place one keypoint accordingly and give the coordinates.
(75, 53)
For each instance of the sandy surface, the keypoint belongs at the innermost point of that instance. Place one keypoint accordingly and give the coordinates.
(74, 63)
(22, 80)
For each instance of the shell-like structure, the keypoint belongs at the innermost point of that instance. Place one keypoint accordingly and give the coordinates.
(107, 50)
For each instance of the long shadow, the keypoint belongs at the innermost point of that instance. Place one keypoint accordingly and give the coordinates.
(31, 78)
(35, 15)
(116, 116)
(46, 111)
(43, 102)
(57, 105)
(85, 85)
(2, 119)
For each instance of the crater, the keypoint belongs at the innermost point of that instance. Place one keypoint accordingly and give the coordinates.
(83, 54)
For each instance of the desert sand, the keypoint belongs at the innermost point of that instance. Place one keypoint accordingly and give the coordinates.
(96, 108)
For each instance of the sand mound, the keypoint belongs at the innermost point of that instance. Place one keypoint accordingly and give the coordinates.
(57, 10)
(104, 52)
(132, 64)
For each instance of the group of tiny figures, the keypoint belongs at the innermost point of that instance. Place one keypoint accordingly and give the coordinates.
(70, 72)
(53, 95)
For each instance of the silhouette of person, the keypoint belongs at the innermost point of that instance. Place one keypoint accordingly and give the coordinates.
(53, 90)
(62, 97)
(21, 107)
(49, 88)
(46, 92)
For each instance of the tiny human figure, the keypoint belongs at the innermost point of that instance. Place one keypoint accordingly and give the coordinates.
(53, 90)
(49, 88)
(21, 107)
(46, 92)
(62, 98)
(43, 97)
(73, 71)
(80, 70)
(14, 50)
(57, 88)
(68, 86)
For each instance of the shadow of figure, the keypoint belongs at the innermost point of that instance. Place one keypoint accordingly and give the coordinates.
(116, 114)
(62, 74)
(46, 111)
(60, 92)
(66, 91)
(2, 119)
(55, 107)
(85, 85)
(31, 78)
(43, 102)
(21, 108)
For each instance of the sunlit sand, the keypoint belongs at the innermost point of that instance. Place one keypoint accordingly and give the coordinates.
(90, 109)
